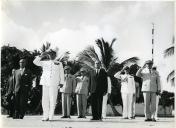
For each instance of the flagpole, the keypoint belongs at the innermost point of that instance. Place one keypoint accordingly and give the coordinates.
(153, 42)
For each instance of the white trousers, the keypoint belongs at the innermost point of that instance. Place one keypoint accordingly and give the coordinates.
(134, 106)
(157, 103)
(104, 107)
(127, 99)
(49, 97)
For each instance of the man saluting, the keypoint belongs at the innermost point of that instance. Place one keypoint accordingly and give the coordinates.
(150, 88)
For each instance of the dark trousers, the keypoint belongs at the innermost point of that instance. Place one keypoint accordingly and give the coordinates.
(96, 103)
(10, 99)
(21, 99)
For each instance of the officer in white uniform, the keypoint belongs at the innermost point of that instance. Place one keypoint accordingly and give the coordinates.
(52, 77)
(127, 91)
(105, 98)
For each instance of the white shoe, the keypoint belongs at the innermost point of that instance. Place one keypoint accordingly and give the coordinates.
(45, 119)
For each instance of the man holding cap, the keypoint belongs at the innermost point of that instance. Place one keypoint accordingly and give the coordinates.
(150, 88)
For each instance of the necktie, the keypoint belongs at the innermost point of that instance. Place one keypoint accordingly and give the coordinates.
(66, 76)
(13, 79)
(21, 71)
(97, 72)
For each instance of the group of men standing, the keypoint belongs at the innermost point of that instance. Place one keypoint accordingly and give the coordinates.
(55, 77)
(19, 85)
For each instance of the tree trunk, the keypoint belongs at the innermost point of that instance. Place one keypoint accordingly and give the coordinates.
(116, 113)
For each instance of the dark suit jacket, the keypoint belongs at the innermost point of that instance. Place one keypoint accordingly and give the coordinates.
(23, 81)
(99, 82)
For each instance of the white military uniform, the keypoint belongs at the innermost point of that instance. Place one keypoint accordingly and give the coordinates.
(52, 76)
(127, 91)
(105, 99)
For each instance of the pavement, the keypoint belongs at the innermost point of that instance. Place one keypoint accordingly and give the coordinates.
(74, 122)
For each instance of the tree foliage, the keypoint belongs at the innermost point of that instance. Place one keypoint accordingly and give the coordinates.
(170, 52)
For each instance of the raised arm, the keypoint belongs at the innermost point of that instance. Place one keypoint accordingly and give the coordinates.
(118, 74)
(139, 72)
(37, 61)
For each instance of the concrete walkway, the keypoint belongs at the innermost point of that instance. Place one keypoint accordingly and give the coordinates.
(74, 122)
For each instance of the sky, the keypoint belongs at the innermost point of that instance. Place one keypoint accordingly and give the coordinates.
(72, 26)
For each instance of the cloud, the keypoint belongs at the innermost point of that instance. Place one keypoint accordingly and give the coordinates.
(77, 40)
(18, 35)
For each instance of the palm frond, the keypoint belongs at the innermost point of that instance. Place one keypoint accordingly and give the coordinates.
(42, 48)
(171, 76)
(169, 51)
(113, 40)
(91, 52)
(45, 47)
(64, 57)
(173, 39)
(173, 82)
(100, 44)
(106, 50)
(86, 57)
(130, 60)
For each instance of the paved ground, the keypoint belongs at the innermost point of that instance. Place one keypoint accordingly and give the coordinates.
(74, 122)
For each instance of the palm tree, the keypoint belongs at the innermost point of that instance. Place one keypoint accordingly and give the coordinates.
(88, 56)
(45, 47)
(167, 53)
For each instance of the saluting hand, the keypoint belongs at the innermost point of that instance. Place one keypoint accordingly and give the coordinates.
(61, 85)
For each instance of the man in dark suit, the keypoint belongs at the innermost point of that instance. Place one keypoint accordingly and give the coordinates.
(10, 94)
(98, 88)
(23, 84)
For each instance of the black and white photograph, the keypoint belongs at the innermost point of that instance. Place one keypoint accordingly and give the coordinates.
(87, 64)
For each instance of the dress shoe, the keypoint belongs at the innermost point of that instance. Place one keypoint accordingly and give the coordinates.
(64, 117)
(21, 117)
(154, 120)
(80, 116)
(124, 117)
(133, 117)
(16, 117)
(148, 120)
(9, 116)
(45, 119)
(94, 119)
(100, 119)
